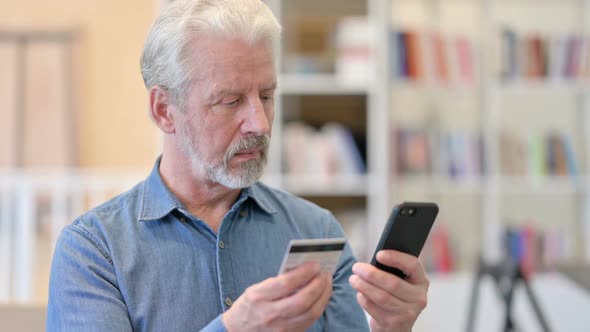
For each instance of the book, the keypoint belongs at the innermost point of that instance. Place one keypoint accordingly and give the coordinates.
(330, 150)
(433, 58)
(398, 49)
(536, 66)
(465, 153)
(465, 62)
(528, 256)
(534, 249)
(413, 151)
(346, 157)
(355, 39)
(509, 54)
(570, 156)
(556, 158)
(295, 136)
(512, 154)
(439, 58)
(572, 60)
(532, 56)
(413, 55)
(443, 261)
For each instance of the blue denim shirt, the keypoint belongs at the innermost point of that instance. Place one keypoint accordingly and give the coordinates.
(142, 262)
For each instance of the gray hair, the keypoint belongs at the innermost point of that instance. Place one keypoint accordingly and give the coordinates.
(165, 60)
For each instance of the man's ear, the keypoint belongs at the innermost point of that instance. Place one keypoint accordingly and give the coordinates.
(161, 109)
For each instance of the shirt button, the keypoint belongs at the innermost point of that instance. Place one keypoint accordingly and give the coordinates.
(222, 245)
(243, 213)
(228, 301)
(183, 219)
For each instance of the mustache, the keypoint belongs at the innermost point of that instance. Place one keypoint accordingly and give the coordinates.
(251, 142)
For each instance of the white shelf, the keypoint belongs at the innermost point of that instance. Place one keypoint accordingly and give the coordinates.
(440, 184)
(433, 88)
(541, 86)
(318, 84)
(543, 185)
(505, 184)
(320, 185)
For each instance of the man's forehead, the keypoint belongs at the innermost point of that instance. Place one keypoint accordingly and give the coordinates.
(226, 50)
(214, 63)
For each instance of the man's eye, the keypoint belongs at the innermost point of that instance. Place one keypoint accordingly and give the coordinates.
(266, 98)
(232, 102)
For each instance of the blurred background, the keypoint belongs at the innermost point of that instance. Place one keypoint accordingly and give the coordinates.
(482, 106)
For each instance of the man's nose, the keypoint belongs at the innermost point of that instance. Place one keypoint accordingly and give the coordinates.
(257, 121)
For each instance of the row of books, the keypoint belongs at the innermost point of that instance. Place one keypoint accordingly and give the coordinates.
(551, 153)
(532, 248)
(330, 150)
(420, 151)
(432, 57)
(537, 56)
(535, 249)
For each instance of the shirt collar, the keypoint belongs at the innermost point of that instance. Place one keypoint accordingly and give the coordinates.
(157, 200)
(259, 196)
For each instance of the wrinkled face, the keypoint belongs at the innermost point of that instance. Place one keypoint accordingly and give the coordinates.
(226, 124)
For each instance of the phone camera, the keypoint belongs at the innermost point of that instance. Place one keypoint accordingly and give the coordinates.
(408, 211)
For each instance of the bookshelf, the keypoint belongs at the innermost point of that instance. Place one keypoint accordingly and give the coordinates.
(434, 103)
(327, 115)
(528, 102)
(480, 105)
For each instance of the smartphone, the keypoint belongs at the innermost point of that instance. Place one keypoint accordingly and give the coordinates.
(406, 230)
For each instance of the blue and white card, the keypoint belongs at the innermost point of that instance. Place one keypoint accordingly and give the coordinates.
(326, 252)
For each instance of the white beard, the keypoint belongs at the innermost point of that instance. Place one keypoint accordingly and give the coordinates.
(220, 172)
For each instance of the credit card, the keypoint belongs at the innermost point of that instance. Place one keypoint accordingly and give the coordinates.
(326, 252)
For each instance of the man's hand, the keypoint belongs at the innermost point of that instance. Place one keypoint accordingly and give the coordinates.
(292, 301)
(393, 303)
